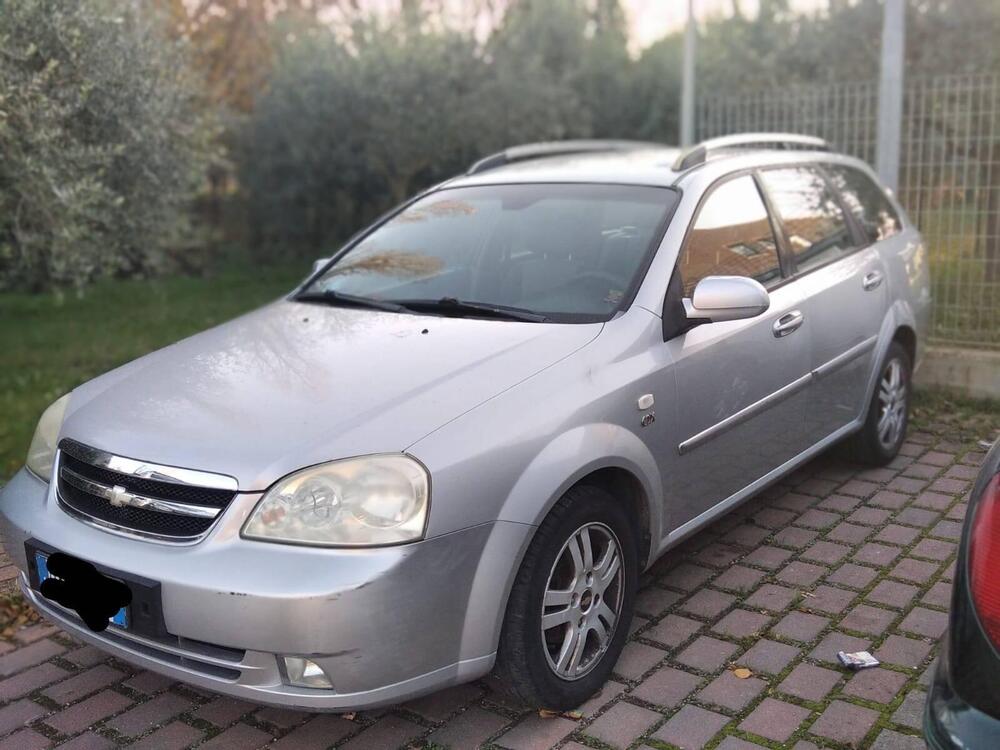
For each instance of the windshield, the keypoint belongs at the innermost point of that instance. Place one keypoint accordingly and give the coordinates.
(565, 251)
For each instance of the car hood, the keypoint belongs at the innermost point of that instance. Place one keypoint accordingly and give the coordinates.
(294, 384)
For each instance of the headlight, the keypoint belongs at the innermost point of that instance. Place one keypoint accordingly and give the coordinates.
(42, 451)
(356, 502)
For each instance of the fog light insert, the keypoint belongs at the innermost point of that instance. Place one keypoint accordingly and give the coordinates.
(302, 672)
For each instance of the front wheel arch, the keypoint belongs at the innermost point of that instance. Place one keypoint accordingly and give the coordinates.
(604, 455)
(608, 457)
(521, 669)
(622, 484)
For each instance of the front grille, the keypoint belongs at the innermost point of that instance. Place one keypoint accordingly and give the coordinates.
(86, 489)
(136, 519)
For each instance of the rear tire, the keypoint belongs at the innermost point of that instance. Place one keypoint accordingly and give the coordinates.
(884, 430)
(562, 661)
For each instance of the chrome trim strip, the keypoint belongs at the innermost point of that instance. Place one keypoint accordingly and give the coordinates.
(845, 357)
(747, 412)
(147, 470)
(700, 521)
(120, 497)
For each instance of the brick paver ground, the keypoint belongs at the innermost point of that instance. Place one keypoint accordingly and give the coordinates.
(836, 556)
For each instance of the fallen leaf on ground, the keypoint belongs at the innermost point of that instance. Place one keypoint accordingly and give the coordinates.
(15, 613)
(742, 672)
(547, 713)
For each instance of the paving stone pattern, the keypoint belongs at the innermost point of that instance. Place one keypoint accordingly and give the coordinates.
(837, 556)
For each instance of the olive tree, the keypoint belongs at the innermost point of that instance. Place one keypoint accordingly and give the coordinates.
(103, 142)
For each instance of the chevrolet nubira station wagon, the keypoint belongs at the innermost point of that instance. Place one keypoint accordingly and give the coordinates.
(454, 448)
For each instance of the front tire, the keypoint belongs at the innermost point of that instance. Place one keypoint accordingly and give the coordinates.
(570, 608)
(884, 430)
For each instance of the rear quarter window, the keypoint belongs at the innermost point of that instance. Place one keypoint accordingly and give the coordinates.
(866, 201)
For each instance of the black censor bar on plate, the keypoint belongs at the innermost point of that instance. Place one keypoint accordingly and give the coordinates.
(77, 585)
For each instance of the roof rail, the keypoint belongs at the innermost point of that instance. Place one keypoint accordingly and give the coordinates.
(698, 154)
(530, 151)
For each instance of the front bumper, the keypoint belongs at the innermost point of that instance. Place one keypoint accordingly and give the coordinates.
(952, 724)
(386, 624)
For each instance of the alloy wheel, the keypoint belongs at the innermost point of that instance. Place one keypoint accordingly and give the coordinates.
(892, 397)
(582, 601)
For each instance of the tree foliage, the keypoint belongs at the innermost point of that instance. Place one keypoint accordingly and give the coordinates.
(103, 142)
(356, 118)
(777, 47)
(231, 41)
(354, 122)
(336, 113)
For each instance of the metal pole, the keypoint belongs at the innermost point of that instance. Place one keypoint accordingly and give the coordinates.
(890, 93)
(687, 81)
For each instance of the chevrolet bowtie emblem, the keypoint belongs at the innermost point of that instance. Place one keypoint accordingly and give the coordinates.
(119, 496)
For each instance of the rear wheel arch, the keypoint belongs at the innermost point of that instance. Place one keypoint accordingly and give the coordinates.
(898, 326)
(907, 337)
(883, 427)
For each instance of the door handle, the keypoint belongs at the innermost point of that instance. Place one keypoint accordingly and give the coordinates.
(872, 281)
(787, 323)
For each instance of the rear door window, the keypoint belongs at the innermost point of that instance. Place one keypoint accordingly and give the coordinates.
(866, 201)
(731, 236)
(814, 223)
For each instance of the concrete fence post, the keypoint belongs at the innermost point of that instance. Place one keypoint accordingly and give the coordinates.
(890, 93)
(687, 80)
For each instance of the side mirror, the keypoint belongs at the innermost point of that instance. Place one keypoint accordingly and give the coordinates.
(720, 298)
(319, 263)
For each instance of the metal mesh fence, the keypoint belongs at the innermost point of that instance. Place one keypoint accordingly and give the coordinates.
(949, 175)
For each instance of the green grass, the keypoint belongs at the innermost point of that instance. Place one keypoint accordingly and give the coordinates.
(49, 345)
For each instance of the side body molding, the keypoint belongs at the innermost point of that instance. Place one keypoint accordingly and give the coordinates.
(767, 402)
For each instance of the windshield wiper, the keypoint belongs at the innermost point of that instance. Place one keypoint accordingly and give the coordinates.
(445, 305)
(462, 308)
(331, 297)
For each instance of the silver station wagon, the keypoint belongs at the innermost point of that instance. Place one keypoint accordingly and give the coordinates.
(454, 448)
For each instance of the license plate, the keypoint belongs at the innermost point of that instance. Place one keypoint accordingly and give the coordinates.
(120, 619)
